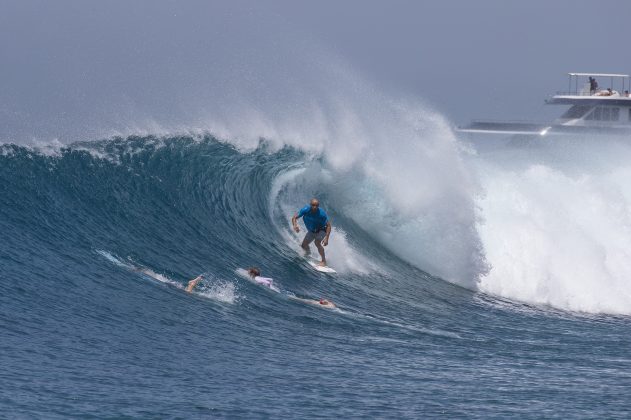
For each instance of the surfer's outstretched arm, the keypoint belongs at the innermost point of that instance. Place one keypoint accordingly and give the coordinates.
(294, 223)
(191, 284)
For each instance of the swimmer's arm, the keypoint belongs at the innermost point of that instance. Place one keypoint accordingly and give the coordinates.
(191, 284)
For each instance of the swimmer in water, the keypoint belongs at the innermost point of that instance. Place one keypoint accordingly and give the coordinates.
(255, 274)
(323, 303)
(191, 284)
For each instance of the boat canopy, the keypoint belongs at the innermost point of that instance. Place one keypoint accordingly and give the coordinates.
(598, 74)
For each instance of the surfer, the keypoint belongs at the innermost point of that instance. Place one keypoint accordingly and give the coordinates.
(318, 228)
(255, 274)
(323, 303)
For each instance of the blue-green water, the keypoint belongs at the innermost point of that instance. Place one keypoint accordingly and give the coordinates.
(86, 332)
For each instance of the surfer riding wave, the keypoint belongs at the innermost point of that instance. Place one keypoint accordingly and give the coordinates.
(318, 228)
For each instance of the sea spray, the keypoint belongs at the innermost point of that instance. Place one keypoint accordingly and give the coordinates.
(557, 224)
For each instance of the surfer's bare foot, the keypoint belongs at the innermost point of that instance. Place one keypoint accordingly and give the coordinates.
(322, 264)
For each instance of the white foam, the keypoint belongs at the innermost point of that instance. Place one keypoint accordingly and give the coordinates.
(433, 230)
(215, 289)
(113, 259)
(157, 276)
(222, 291)
(341, 255)
(395, 169)
(559, 236)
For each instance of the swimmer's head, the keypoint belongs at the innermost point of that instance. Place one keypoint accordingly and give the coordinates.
(254, 272)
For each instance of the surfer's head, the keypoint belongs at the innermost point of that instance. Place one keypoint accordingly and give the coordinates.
(314, 204)
(254, 272)
(324, 302)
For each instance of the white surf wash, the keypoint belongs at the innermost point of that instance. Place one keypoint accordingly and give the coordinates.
(394, 167)
(557, 224)
(216, 289)
(287, 195)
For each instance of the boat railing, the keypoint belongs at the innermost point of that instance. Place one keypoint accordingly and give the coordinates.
(513, 121)
(597, 94)
(574, 93)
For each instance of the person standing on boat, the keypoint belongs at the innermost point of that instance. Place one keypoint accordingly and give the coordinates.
(593, 85)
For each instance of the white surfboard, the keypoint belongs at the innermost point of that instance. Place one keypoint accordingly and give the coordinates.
(322, 269)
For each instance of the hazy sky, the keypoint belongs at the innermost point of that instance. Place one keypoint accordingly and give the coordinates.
(73, 69)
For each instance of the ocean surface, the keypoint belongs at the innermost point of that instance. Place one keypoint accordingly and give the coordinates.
(471, 283)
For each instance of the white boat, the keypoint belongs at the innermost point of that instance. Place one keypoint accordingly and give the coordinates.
(592, 110)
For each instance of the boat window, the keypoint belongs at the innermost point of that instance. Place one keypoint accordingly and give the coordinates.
(615, 114)
(577, 111)
(602, 113)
